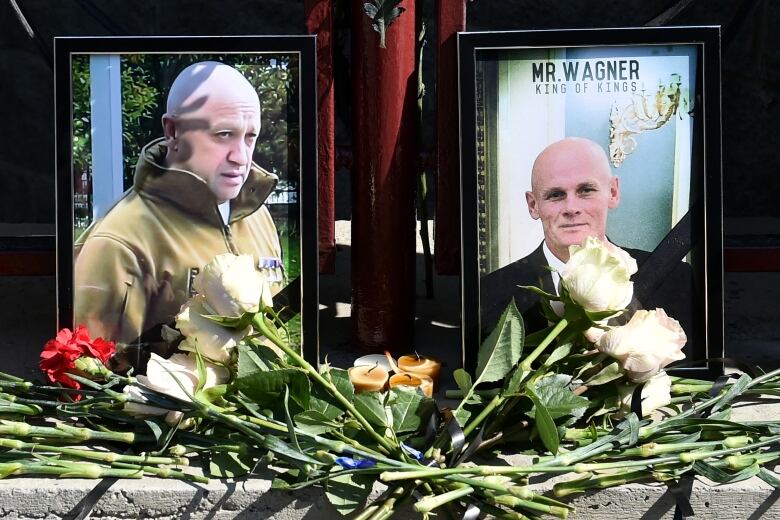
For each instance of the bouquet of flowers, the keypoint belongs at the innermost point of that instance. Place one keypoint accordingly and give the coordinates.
(584, 397)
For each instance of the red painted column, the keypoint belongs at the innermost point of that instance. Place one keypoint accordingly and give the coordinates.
(383, 182)
(450, 18)
(319, 21)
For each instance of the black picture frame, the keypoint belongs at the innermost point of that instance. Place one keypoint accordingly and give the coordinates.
(300, 296)
(522, 57)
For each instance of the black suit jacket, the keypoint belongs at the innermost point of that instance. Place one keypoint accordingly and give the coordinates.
(673, 292)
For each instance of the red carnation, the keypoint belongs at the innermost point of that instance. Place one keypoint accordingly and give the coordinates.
(60, 354)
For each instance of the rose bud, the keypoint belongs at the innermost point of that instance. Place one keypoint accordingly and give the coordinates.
(212, 340)
(232, 286)
(597, 276)
(645, 345)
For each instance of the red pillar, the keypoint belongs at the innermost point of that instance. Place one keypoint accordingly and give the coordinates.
(450, 18)
(319, 21)
(383, 182)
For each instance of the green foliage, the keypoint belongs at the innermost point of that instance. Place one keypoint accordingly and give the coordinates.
(409, 407)
(498, 355)
(372, 407)
(263, 382)
(348, 491)
(545, 424)
(146, 80)
(558, 399)
(322, 402)
(501, 351)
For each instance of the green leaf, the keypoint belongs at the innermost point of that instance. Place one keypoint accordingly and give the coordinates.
(558, 354)
(501, 351)
(370, 405)
(261, 385)
(725, 477)
(315, 423)
(597, 316)
(156, 426)
(609, 373)
(545, 425)
(231, 322)
(770, 477)
(462, 414)
(512, 385)
(288, 419)
(229, 465)
(732, 392)
(633, 425)
(462, 379)
(559, 400)
(349, 491)
(286, 479)
(280, 447)
(253, 358)
(539, 292)
(323, 401)
(410, 407)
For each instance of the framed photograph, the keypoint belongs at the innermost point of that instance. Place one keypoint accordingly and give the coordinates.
(629, 119)
(171, 151)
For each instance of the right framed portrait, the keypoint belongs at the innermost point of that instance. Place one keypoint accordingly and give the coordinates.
(613, 133)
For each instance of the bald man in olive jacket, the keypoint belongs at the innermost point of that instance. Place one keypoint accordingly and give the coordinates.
(196, 194)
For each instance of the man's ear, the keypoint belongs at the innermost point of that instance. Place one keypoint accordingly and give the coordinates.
(531, 201)
(169, 128)
(614, 192)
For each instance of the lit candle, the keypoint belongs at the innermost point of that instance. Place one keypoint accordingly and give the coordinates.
(368, 378)
(425, 365)
(418, 380)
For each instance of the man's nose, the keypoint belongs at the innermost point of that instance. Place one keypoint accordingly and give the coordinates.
(571, 206)
(240, 153)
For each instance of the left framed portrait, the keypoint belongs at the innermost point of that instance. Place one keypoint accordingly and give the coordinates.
(171, 151)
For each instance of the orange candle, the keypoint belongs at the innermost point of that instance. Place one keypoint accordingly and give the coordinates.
(368, 378)
(425, 365)
(424, 382)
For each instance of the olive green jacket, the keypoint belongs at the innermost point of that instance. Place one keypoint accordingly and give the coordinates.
(134, 267)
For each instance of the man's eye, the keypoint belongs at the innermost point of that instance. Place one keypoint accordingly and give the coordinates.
(555, 195)
(224, 134)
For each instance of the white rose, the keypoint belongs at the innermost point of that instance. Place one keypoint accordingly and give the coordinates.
(655, 394)
(201, 334)
(645, 345)
(593, 334)
(176, 377)
(232, 286)
(597, 276)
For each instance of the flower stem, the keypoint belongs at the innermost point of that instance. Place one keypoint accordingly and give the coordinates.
(525, 365)
(259, 322)
(103, 456)
(430, 503)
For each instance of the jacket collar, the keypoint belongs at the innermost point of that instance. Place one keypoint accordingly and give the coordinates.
(190, 193)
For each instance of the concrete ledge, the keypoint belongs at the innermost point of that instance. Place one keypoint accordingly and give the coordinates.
(220, 500)
(151, 498)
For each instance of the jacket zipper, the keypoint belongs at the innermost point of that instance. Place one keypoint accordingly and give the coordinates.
(226, 233)
(229, 239)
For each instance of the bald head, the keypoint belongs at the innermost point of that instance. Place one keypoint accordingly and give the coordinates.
(196, 85)
(572, 189)
(571, 153)
(211, 125)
